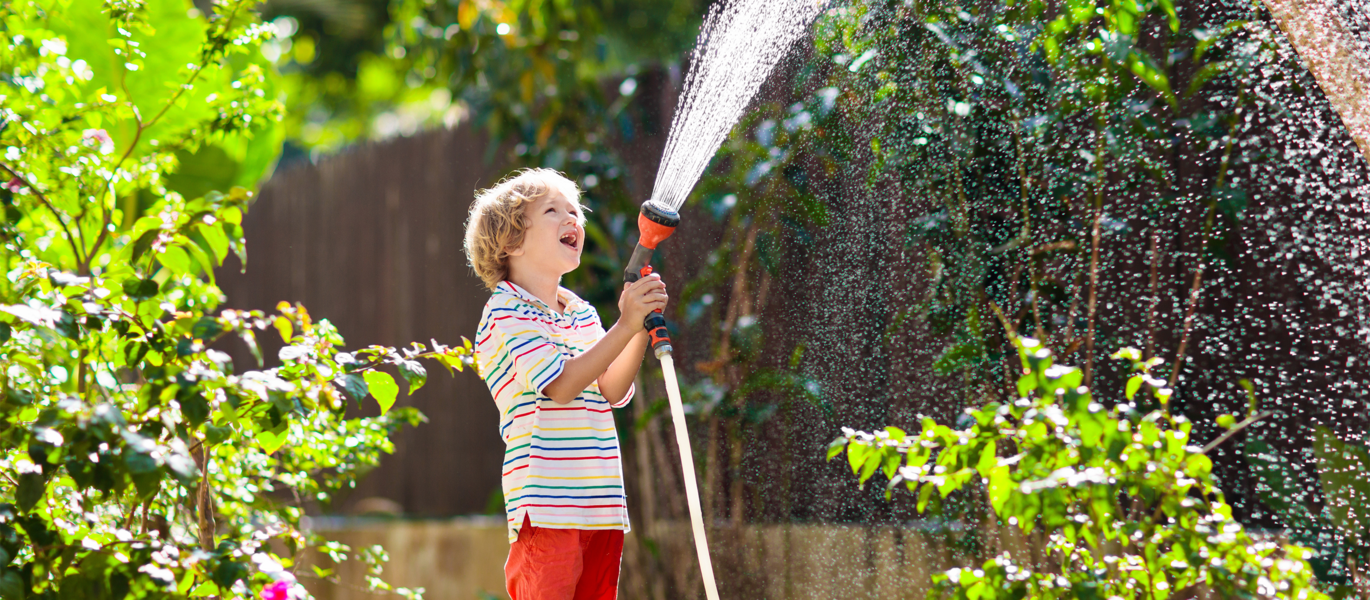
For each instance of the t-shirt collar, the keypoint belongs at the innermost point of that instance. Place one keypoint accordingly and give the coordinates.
(567, 298)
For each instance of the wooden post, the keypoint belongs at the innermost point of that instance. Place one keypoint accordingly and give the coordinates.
(1330, 51)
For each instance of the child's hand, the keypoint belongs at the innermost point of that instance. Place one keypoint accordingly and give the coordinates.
(639, 299)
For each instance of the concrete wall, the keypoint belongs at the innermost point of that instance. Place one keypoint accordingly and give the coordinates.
(463, 559)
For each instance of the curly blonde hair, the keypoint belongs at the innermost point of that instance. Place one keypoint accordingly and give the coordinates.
(497, 222)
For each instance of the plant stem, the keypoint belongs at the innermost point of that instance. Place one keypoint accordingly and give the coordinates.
(1094, 243)
(108, 218)
(1195, 288)
(1251, 420)
(71, 239)
(1154, 293)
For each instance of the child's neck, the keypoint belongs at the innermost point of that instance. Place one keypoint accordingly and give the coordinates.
(543, 286)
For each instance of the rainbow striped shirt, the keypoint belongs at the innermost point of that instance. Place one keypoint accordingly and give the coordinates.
(561, 461)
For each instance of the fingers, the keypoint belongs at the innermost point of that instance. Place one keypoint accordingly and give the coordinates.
(652, 281)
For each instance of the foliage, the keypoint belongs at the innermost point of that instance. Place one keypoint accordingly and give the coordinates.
(136, 462)
(1124, 498)
(1038, 132)
(1341, 530)
(523, 71)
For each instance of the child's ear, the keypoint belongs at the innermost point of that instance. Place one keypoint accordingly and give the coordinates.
(514, 251)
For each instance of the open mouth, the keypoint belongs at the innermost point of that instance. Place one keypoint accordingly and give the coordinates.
(571, 240)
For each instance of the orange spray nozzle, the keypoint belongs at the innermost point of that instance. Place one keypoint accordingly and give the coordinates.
(655, 223)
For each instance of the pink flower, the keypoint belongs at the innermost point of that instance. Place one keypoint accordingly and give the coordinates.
(277, 591)
(15, 185)
(100, 137)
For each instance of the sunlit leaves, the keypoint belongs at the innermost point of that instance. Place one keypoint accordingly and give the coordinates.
(383, 389)
(127, 432)
(1342, 469)
(1110, 488)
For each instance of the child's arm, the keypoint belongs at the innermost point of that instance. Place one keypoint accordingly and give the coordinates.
(640, 299)
(618, 378)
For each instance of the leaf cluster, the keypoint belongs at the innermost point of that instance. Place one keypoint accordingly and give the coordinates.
(1124, 499)
(138, 461)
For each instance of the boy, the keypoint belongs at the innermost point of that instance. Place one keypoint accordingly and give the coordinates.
(554, 373)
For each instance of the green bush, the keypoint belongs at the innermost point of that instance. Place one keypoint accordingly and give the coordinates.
(136, 462)
(1123, 499)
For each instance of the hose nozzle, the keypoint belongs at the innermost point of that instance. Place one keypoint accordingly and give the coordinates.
(655, 223)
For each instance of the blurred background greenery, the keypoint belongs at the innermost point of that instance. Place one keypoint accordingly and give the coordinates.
(525, 70)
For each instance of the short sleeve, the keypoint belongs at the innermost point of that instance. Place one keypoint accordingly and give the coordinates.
(523, 353)
(628, 397)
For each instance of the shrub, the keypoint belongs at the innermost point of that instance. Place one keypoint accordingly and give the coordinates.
(1123, 498)
(134, 461)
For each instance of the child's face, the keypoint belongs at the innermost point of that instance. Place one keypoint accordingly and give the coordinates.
(554, 238)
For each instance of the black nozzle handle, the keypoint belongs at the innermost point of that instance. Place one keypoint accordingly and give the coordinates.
(637, 264)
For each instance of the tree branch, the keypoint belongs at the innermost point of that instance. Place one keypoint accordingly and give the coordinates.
(44, 199)
(1235, 430)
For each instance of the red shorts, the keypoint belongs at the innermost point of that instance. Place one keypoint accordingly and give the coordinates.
(563, 564)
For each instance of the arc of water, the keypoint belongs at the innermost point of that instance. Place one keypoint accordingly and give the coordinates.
(739, 45)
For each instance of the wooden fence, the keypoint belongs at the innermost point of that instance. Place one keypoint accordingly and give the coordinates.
(371, 240)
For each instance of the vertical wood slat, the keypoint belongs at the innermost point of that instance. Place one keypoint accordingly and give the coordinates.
(371, 240)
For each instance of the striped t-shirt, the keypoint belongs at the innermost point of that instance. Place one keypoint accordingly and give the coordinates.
(561, 461)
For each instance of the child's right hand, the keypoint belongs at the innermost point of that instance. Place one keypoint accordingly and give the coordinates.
(639, 299)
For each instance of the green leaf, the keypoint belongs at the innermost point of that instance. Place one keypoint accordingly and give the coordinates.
(144, 244)
(271, 440)
(11, 585)
(207, 169)
(195, 408)
(414, 374)
(250, 339)
(1001, 488)
(229, 572)
(67, 326)
(31, 488)
(836, 447)
(214, 237)
(871, 462)
(6, 332)
(856, 456)
(182, 467)
(1341, 472)
(353, 384)
(1205, 74)
(1134, 383)
(175, 260)
(140, 289)
(1146, 69)
(1173, 18)
(925, 494)
(202, 259)
(284, 327)
(1280, 484)
(890, 465)
(383, 388)
(988, 459)
(207, 328)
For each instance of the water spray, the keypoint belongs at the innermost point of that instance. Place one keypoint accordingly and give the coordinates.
(655, 223)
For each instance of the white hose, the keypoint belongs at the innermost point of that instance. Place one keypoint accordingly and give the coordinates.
(687, 464)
